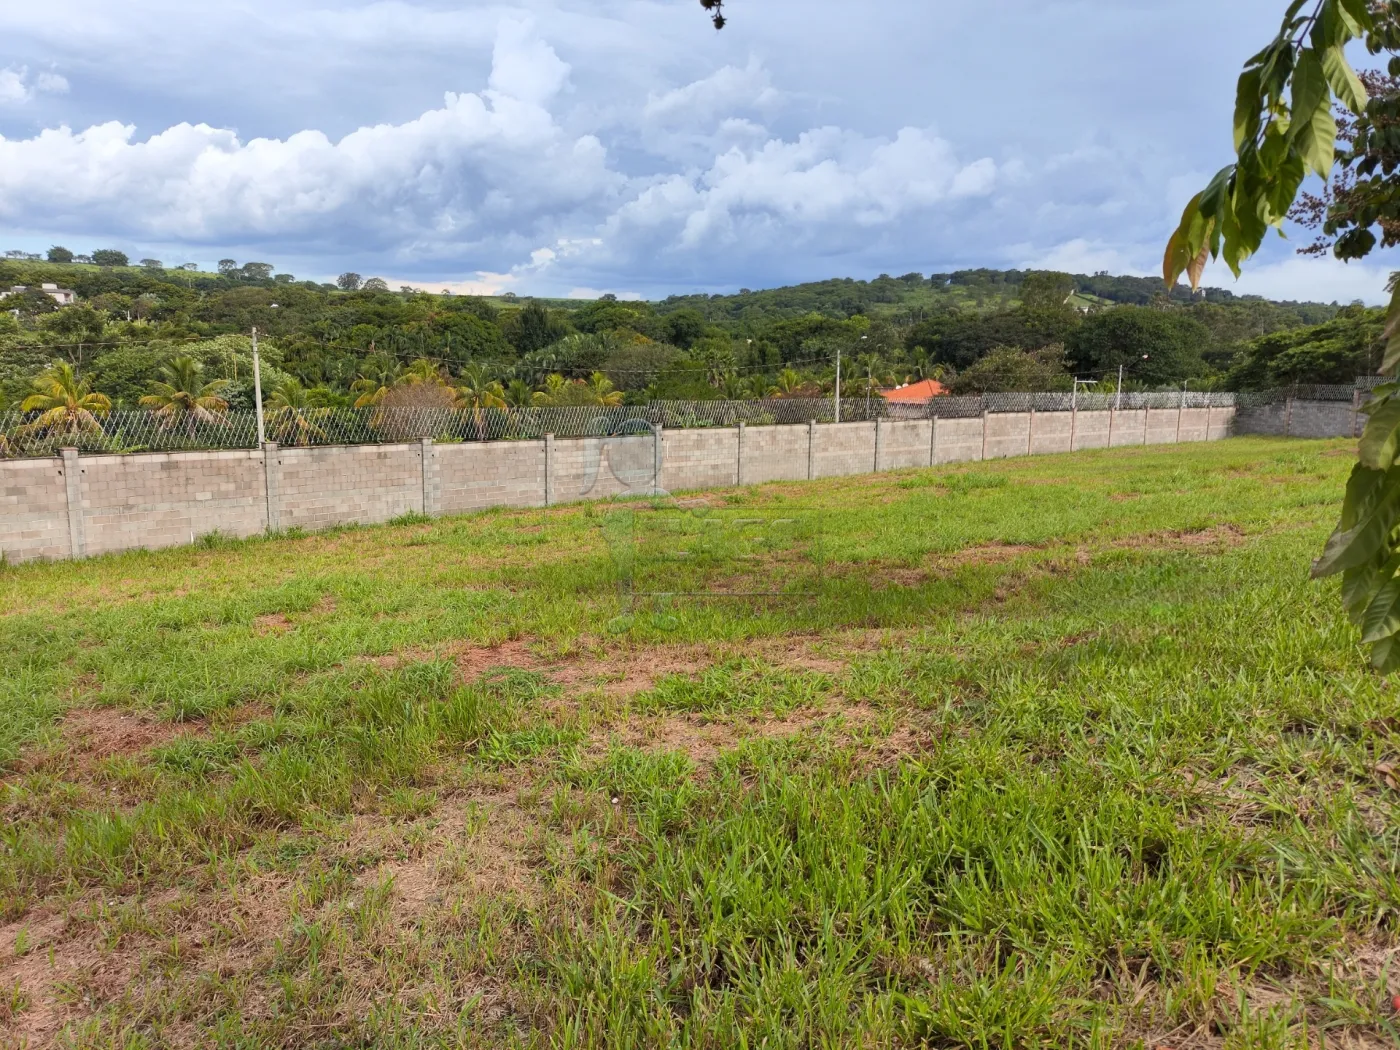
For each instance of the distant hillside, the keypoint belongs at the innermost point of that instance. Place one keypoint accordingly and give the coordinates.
(910, 298)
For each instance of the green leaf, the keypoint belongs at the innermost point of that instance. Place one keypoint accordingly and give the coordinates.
(1179, 252)
(1373, 501)
(1309, 86)
(1247, 106)
(1380, 441)
(1385, 655)
(1359, 586)
(1390, 359)
(1382, 619)
(1360, 13)
(1345, 84)
(1317, 142)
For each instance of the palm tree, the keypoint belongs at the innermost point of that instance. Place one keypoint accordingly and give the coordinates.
(601, 388)
(181, 398)
(293, 411)
(423, 371)
(376, 379)
(553, 392)
(518, 393)
(477, 392)
(66, 404)
(789, 384)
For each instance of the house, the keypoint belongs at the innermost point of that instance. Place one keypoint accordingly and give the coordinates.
(62, 296)
(914, 393)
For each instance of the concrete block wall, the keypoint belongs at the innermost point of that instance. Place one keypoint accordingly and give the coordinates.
(77, 505)
(1052, 432)
(703, 458)
(341, 484)
(33, 509)
(843, 448)
(1091, 429)
(474, 475)
(1296, 417)
(905, 443)
(777, 453)
(1007, 434)
(958, 440)
(166, 499)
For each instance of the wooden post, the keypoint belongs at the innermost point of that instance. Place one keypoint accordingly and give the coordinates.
(984, 431)
(811, 449)
(933, 441)
(1030, 431)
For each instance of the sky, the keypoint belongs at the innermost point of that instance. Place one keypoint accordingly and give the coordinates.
(574, 147)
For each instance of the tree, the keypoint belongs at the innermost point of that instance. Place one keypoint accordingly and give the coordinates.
(67, 406)
(293, 414)
(478, 391)
(109, 257)
(348, 282)
(534, 329)
(256, 271)
(59, 254)
(73, 331)
(376, 284)
(182, 398)
(1278, 141)
(152, 264)
(228, 267)
(1153, 346)
(1007, 368)
(1046, 290)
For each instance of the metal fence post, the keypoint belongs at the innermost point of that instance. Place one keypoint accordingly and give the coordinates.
(1207, 417)
(984, 428)
(879, 440)
(1030, 432)
(933, 442)
(1112, 413)
(1355, 410)
(739, 458)
(811, 449)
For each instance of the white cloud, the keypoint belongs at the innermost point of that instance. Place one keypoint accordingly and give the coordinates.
(51, 83)
(12, 86)
(492, 185)
(16, 87)
(1084, 256)
(1323, 279)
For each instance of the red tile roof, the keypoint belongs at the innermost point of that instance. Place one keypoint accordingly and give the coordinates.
(920, 391)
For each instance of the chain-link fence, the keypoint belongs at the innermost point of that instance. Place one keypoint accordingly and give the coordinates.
(125, 431)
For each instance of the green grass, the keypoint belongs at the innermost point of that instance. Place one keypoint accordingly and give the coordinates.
(1064, 751)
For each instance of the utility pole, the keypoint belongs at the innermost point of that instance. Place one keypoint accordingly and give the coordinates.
(257, 391)
(838, 383)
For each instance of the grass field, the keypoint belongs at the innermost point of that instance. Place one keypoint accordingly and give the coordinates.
(1064, 751)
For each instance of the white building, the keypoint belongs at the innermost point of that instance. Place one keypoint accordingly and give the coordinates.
(62, 296)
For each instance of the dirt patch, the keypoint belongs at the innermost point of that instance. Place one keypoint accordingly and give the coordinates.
(983, 554)
(472, 660)
(79, 960)
(625, 672)
(702, 738)
(105, 732)
(272, 623)
(1226, 535)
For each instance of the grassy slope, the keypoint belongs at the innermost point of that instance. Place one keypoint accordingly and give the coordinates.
(1068, 751)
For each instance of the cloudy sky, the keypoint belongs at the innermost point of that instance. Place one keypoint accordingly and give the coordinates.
(561, 147)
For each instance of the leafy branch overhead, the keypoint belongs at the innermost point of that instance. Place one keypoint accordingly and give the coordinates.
(1285, 128)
